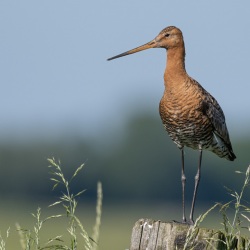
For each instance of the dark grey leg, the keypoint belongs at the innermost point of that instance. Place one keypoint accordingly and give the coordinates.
(183, 181)
(197, 180)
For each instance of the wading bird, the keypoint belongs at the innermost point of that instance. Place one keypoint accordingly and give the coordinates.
(191, 116)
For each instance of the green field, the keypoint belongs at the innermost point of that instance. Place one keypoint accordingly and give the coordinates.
(117, 220)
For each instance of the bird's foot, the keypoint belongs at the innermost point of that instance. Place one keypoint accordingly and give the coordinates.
(191, 222)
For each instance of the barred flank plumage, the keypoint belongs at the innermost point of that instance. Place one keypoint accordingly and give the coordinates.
(193, 118)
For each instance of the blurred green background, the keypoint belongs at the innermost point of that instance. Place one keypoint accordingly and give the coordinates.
(143, 165)
(140, 176)
(60, 98)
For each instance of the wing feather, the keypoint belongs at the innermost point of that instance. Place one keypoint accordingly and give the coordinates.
(214, 112)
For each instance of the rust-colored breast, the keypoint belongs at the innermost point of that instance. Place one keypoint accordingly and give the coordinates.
(182, 117)
(188, 115)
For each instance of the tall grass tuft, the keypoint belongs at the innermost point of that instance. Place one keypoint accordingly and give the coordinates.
(31, 239)
(232, 228)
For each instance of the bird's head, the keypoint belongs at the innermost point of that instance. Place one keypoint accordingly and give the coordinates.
(168, 38)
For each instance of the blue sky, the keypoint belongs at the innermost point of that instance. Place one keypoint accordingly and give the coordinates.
(55, 77)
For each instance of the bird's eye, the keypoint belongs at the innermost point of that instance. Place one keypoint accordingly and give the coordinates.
(167, 35)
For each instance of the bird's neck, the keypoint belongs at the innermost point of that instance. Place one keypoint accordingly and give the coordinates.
(175, 68)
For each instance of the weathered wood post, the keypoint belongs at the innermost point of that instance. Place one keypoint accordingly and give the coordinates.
(149, 234)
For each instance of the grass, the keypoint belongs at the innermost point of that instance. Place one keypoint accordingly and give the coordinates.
(31, 238)
(193, 230)
(235, 220)
(3, 240)
(234, 228)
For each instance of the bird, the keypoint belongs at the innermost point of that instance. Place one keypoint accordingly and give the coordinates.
(190, 114)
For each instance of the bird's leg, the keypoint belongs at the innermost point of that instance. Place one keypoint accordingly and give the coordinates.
(197, 180)
(183, 181)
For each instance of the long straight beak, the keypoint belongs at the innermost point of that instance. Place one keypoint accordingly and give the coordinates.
(151, 44)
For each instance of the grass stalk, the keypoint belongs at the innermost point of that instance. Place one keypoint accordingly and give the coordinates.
(31, 239)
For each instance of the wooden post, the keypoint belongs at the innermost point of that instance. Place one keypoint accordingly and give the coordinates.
(149, 234)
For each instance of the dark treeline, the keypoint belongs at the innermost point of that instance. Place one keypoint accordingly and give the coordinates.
(144, 165)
